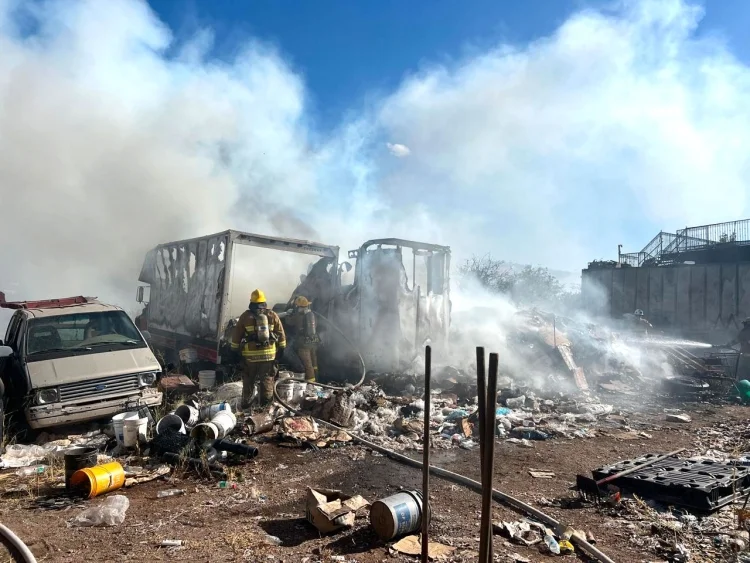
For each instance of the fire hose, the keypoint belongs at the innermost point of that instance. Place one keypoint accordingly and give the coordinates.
(499, 496)
(15, 546)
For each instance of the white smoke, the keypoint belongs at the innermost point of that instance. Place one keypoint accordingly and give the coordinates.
(547, 153)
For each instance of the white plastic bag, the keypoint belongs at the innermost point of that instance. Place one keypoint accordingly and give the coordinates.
(109, 513)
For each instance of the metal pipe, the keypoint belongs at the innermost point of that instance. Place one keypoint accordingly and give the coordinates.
(489, 459)
(426, 456)
(482, 403)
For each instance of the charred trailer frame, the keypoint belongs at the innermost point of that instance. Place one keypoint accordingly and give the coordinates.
(189, 284)
(393, 321)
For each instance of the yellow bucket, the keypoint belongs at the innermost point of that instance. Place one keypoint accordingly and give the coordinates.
(99, 479)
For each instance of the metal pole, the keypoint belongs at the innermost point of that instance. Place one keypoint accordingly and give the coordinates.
(426, 456)
(489, 460)
(482, 403)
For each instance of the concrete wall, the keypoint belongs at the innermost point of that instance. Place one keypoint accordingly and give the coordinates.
(709, 301)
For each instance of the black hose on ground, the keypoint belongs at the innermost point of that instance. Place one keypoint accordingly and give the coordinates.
(15, 546)
(499, 496)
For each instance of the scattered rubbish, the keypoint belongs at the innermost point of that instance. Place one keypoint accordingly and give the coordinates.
(329, 510)
(272, 540)
(111, 512)
(95, 481)
(148, 476)
(169, 424)
(678, 418)
(541, 474)
(31, 470)
(411, 545)
(78, 458)
(227, 485)
(171, 543)
(551, 543)
(565, 547)
(170, 493)
(397, 515)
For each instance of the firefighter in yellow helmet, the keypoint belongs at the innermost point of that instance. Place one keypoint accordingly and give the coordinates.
(303, 328)
(259, 337)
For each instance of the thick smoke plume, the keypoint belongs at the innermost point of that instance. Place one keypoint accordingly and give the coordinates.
(115, 136)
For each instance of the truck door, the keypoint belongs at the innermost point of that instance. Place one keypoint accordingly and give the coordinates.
(13, 372)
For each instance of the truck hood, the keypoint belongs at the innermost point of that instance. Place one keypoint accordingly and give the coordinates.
(48, 373)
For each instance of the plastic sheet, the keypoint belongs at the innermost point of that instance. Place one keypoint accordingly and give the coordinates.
(109, 513)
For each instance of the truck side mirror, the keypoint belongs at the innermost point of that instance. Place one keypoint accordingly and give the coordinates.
(6, 351)
(346, 266)
(139, 294)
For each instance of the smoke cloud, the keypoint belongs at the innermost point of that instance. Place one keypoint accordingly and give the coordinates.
(115, 137)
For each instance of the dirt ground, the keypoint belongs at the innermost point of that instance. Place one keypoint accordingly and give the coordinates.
(231, 524)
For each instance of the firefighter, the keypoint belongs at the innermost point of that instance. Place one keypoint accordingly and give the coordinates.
(743, 339)
(259, 337)
(642, 326)
(301, 322)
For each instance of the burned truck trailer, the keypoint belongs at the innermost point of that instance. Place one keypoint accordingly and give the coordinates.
(187, 296)
(383, 317)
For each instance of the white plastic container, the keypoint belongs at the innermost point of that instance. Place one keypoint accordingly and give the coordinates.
(117, 425)
(134, 431)
(286, 391)
(205, 431)
(209, 411)
(207, 379)
(224, 421)
(188, 355)
(189, 415)
(171, 421)
(299, 391)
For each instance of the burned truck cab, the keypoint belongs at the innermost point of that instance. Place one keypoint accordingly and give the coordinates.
(403, 301)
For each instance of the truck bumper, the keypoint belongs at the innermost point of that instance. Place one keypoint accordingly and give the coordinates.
(58, 414)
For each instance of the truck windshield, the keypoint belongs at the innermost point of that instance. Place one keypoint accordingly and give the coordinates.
(82, 332)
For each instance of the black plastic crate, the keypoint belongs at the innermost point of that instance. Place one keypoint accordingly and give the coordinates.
(699, 484)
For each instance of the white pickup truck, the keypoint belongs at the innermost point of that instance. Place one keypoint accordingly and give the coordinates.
(73, 360)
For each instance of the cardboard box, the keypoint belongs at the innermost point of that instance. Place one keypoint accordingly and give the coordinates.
(329, 510)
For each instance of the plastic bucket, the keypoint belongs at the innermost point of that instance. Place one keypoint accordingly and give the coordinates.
(207, 379)
(286, 391)
(188, 414)
(205, 431)
(95, 481)
(225, 422)
(209, 411)
(118, 422)
(78, 458)
(188, 355)
(172, 423)
(299, 391)
(397, 515)
(134, 431)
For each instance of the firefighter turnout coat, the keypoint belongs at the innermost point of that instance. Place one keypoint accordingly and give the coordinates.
(244, 339)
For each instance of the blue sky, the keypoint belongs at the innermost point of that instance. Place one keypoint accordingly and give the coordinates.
(544, 132)
(347, 51)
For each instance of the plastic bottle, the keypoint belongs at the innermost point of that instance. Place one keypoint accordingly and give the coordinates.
(32, 470)
(227, 485)
(552, 544)
(170, 493)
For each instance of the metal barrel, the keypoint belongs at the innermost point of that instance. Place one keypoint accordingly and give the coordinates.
(397, 514)
(78, 458)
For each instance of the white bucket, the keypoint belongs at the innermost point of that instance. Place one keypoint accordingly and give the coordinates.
(225, 422)
(117, 425)
(188, 355)
(134, 431)
(188, 414)
(205, 431)
(207, 379)
(209, 411)
(286, 391)
(299, 391)
(170, 422)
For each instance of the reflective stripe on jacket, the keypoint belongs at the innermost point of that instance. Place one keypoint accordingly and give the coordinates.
(252, 350)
